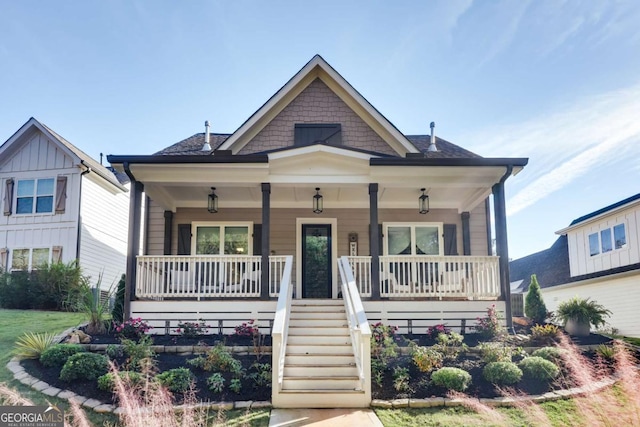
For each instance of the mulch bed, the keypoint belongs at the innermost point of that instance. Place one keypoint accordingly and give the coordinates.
(174, 340)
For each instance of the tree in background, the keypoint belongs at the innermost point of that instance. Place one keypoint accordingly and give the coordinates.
(534, 307)
(117, 313)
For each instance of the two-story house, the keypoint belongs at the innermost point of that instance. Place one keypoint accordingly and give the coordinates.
(597, 256)
(59, 204)
(316, 216)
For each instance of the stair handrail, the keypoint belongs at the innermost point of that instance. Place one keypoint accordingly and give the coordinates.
(358, 323)
(280, 330)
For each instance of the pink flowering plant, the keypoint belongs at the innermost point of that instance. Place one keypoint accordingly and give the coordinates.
(383, 342)
(435, 330)
(247, 329)
(192, 329)
(489, 326)
(132, 329)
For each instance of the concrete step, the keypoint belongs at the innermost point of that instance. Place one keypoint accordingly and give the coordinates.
(321, 383)
(318, 359)
(317, 339)
(321, 399)
(320, 370)
(319, 323)
(318, 315)
(318, 330)
(319, 349)
(316, 302)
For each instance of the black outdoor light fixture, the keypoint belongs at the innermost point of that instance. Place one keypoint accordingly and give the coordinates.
(423, 203)
(317, 202)
(212, 205)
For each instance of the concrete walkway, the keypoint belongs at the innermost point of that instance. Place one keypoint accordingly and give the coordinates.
(324, 418)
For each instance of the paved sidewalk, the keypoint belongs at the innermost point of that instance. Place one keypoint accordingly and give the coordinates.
(324, 418)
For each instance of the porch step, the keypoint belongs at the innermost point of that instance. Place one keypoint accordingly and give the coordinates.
(315, 339)
(322, 314)
(320, 348)
(338, 383)
(318, 331)
(318, 359)
(317, 370)
(317, 323)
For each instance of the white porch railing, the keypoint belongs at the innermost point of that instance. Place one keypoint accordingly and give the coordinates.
(358, 324)
(280, 330)
(467, 277)
(205, 276)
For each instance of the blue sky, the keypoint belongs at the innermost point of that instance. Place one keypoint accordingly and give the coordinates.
(555, 81)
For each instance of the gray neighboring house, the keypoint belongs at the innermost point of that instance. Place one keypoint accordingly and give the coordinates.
(597, 256)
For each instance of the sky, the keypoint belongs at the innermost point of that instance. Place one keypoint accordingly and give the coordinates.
(555, 81)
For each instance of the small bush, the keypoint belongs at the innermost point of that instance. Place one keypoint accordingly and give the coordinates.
(435, 330)
(31, 346)
(235, 385)
(544, 333)
(401, 379)
(450, 345)
(489, 326)
(216, 382)
(107, 381)
(377, 371)
(495, 352)
(15, 290)
(117, 313)
(502, 373)
(58, 354)
(426, 358)
(132, 329)
(606, 352)
(534, 307)
(552, 354)
(451, 378)
(114, 351)
(138, 353)
(538, 369)
(84, 366)
(177, 380)
(192, 329)
(217, 359)
(262, 375)
(383, 344)
(58, 286)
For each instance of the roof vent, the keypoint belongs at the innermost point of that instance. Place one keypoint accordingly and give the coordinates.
(206, 146)
(432, 145)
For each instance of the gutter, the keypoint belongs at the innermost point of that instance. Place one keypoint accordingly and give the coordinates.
(79, 233)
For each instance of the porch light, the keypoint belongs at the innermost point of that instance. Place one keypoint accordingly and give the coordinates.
(212, 205)
(423, 203)
(317, 202)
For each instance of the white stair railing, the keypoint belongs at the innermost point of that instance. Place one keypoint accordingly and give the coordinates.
(358, 324)
(280, 329)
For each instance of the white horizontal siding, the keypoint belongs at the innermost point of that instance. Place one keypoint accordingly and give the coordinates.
(620, 295)
(103, 243)
(580, 260)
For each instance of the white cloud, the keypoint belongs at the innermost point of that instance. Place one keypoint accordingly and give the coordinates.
(565, 145)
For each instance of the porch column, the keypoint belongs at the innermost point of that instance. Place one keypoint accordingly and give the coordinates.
(466, 233)
(168, 231)
(502, 247)
(374, 241)
(266, 216)
(133, 244)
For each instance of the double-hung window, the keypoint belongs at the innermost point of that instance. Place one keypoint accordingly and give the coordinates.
(29, 259)
(34, 196)
(413, 239)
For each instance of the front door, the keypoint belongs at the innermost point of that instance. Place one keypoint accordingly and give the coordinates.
(316, 261)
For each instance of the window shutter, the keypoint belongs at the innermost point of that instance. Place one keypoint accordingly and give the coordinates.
(4, 256)
(61, 194)
(184, 239)
(8, 197)
(56, 254)
(450, 239)
(257, 239)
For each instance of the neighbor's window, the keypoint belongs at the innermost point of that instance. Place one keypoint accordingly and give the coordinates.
(29, 259)
(414, 239)
(594, 244)
(34, 196)
(619, 236)
(236, 239)
(605, 238)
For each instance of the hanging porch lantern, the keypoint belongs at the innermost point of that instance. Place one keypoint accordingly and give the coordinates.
(212, 202)
(423, 202)
(317, 202)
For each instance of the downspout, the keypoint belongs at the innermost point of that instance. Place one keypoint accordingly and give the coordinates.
(502, 246)
(79, 233)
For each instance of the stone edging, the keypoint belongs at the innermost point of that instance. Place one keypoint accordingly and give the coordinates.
(183, 349)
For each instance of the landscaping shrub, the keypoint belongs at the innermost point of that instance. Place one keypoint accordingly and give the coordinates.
(132, 329)
(216, 382)
(426, 358)
(538, 369)
(383, 344)
(489, 326)
(435, 330)
(84, 366)
(192, 329)
(177, 380)
(15, 290)
(401, 379)
(114, 351)
(495, 352)
(117, 313)
(606, 352)
(552, 354)
(544, 333)
(138, 353)
(534, 307)
(57, 354)
(450, 345)
(217, 358)
(31, 346)
(502, 373)
(451, 378)
(106, 382)
(261, 374)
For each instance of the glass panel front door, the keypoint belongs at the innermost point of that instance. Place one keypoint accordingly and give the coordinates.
(316, 261)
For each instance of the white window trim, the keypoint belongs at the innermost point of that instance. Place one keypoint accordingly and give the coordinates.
(413, 225)
(599, 231)
(30, 266)
(35, 197)
(222, 225)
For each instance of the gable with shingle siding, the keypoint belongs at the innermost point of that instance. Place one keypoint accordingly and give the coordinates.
(317, 104)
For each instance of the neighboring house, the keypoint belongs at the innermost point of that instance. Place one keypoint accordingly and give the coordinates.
(59, 204)
(597, 256)
(317, 190)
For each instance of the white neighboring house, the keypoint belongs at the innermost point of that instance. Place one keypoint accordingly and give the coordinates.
(59, 204)
(598, 257)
